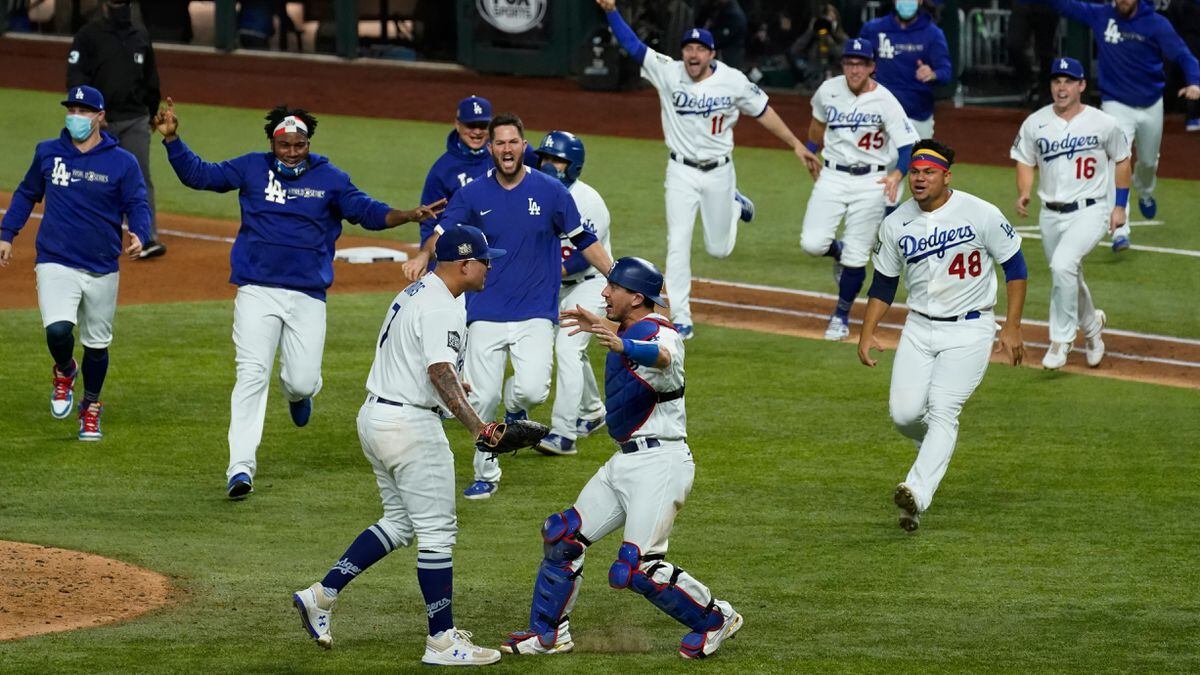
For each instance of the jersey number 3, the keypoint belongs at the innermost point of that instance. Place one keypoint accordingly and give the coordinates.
(972, 267)
(871, 141)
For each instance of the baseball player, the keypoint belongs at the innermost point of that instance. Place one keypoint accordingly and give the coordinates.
(89, 184)
(701, 100)
(945, 241)
(912, 60)
(525, 212)
(578, 410)
(642, 487)
(1133, 42)
(864, 129)
(1073, 147)
(293, 204)
(415, 376)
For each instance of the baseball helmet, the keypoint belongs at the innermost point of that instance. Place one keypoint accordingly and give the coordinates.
(640, 276)
(566, 146)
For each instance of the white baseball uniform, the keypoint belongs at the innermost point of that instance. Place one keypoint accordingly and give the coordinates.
(400, 425)
(1142, 127)
(576, 392)
(861, 136)
(698, 120)
(947, 258)
(1075, 160)
(82, 297)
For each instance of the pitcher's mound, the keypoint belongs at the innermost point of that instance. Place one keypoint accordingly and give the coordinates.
(46, 590)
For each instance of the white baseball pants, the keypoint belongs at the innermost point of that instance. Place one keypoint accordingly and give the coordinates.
(414, 469)
(712, 193)
(924, 128)
(263, 319)
(938, 365)
(576, 393)
(84, 298)
(489, 345)
(1067, 238)
(1143, 129)
(837, 195)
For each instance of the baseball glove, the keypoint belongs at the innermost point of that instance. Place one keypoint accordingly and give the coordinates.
(499, 438)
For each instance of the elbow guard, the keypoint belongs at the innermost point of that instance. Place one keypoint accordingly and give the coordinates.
(1014, 267)
(642, 353)
(884, 287)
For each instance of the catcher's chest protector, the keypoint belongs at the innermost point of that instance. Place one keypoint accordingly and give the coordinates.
(628, 398)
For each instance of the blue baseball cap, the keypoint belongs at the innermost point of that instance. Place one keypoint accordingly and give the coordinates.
(463, 242)
(860, 48)
(699, 36)
(474, 109)
(1065, 65)
(86, 96)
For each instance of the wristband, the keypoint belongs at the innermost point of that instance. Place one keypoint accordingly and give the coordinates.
(812, 147)
(1122, 197)
(643, 353)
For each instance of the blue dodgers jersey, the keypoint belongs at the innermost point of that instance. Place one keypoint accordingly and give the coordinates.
(897, 51)
(456, 167)
(86, 194)
(525, 221)
(1132, 51)
(289, 225)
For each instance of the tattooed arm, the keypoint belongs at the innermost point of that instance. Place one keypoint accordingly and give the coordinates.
(445, 380)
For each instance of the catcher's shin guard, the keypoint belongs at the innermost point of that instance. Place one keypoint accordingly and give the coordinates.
(667, 587)
(557, 583)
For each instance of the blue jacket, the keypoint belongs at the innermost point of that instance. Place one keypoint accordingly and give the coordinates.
(899, 48)
(1132, 51)
(526, 222)
(456, 167)
(87, 194)
(289, 226)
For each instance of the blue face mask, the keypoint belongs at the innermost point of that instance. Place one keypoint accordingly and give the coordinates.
(79, 127)
(290, 171)
(907, 9)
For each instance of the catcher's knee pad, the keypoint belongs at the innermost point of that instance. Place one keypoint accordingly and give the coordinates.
(557, 582)
(561, 540)
(667, 587)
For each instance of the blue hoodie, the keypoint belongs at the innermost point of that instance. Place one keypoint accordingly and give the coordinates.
(1132, 51)
(87, 194)
(289, 225)
(898, 49)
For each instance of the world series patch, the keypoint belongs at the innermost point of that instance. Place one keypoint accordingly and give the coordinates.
(453, 340)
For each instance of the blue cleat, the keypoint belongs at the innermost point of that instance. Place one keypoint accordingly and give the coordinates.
(585, 426)
(685, 330)
(1147, 206)
(510, 417)
(1120, 244)
(553, 444)
(240, 487)
(747, 206)
(301, 410)
(481, 489)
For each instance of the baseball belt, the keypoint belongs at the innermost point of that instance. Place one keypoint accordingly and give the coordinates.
(638, 444)
(856, 169)
(1069, 207)
(973, 314)
(703, 166)
(571, 282)
(372, 398)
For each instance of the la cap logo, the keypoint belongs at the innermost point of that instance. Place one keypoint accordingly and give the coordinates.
(464, 248)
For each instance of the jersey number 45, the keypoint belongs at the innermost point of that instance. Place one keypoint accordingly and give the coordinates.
(871, 141)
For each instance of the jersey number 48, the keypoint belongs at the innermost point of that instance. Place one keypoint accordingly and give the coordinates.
(972, 267)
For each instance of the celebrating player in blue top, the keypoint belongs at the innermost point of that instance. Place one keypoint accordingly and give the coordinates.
(911, 59)
(293, 204)
(522, 211)
(89, 183)
(1133, 42)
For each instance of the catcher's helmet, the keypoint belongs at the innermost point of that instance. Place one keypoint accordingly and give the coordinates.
(566, 146)
(640, 276)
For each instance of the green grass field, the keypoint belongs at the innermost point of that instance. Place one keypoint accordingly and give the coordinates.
(1064, 537)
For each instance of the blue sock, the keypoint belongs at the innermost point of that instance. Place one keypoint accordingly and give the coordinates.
(371, 545)
(95, 368)
(435, 574)
(835, 250)
(852, 283)
(61, 341)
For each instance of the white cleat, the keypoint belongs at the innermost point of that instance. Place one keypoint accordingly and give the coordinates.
(528, 643)
(1094, 345)
(454, 648)
(700, 645)
(1056, 355)
(315, 611)
(910, 515)
(584, 426)
(838, 330)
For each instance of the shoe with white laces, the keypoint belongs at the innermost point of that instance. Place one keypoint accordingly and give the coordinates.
(743, 201)
(1094, 345)
(839, 328)
(454, 648)
(910, 515)
(554, 444)
(698, 645)
(89, 421)
(62, 392)
(529, 643)
(316, 610)
(584, 426)
(1056, 355)
(481, 489)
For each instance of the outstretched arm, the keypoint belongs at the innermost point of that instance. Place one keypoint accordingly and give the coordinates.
(775, 124)
(621, 30)
(192, 171)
